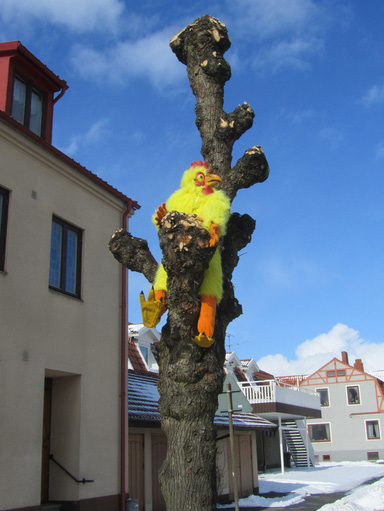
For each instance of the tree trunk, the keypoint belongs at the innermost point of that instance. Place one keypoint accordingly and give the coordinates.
(191, 377)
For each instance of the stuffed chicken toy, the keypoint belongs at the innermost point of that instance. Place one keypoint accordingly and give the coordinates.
(196, 196)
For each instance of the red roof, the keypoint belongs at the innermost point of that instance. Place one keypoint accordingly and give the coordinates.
(240, 374)
(15, 48)
(135, 358)
(262, 375)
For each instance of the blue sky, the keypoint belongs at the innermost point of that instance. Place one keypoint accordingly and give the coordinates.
(312, 281)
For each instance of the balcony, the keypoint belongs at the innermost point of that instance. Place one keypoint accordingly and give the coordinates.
(271, 398)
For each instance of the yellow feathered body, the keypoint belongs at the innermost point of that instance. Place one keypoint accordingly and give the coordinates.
(213, 207)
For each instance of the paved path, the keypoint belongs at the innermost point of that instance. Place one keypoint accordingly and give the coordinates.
(311, 503)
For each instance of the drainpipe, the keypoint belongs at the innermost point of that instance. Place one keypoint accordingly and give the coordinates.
(306, 441)
(123, 367)
(281, 446)
(61, 93)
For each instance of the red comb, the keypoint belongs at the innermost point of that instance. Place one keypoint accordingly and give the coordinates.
(200, 163)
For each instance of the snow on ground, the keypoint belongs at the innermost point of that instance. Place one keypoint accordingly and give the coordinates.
(328, 477)
(366, 498)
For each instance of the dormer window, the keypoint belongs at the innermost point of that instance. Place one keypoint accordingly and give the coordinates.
(28, 90)
(27, 105)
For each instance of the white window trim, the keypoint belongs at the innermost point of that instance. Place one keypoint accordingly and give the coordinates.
(366, 430)
(346, 392)
(329, 396)
(321, 424)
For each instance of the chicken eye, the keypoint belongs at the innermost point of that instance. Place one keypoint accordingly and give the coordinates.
(200, 176)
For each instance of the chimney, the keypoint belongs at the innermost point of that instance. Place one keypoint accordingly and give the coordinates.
(344, 357)
(359, 365)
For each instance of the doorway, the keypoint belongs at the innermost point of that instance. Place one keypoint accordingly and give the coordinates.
(244, 470)
(136, 468)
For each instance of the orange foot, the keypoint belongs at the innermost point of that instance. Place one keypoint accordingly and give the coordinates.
(160, 295)
(206, 323)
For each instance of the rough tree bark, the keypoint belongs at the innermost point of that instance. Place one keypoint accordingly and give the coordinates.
(190, 377)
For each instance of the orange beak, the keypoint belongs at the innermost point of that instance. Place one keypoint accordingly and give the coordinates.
(212, 180)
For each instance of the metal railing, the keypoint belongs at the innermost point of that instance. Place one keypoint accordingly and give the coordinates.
(265, 391)
(82, 481)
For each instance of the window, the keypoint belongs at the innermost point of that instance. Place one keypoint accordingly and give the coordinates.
(65, 263)
(341, 372)
(331, 374)
(353, 394)
(319, 433)
(372, 456)
(27, 105)
(144, 352)
(4, 197)
(324, 399)
(326, 457)
(373, 431)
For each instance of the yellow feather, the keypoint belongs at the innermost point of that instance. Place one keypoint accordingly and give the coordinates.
(214, 207)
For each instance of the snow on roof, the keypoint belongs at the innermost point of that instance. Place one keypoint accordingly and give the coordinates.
(244, 420)
(143, 398)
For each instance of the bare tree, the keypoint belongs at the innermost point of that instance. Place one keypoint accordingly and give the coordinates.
(191, 377)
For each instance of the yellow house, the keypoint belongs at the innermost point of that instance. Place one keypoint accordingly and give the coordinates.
(63, 355)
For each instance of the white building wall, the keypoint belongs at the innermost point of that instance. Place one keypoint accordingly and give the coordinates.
(46, 333)
(347, 423)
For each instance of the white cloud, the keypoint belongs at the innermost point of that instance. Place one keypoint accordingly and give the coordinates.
(95, 133)
(289, 53)
(334, 341)
(373, 96)
(149, 57)
(282, 29)
(331, 135)
(265, 19)
(82, 16)
(314, 353)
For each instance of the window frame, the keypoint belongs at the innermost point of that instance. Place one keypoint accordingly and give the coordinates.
(359, 393)
(327, 390)
(320, 424)
(3, 225)
(30, 88)
(378, 428)
(67, 227)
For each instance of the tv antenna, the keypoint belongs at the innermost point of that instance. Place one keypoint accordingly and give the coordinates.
(230, 344)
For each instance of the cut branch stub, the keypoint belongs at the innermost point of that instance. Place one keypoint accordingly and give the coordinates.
(232, 126)
(250, 169)
(239, 233)
(204, 42)
(133, 253)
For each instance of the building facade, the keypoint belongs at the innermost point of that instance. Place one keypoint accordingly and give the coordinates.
(352, 412)
(283, 403)
(62, 306)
